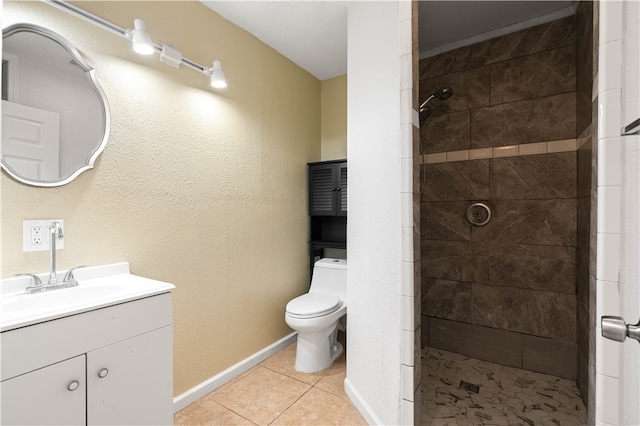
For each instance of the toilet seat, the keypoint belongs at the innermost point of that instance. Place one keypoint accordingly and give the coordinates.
(312, 305)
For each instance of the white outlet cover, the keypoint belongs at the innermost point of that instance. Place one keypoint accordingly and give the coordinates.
(45, 223)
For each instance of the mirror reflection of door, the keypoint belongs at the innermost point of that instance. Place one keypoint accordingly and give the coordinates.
(5, 80)
(30, 140)
(43, 72)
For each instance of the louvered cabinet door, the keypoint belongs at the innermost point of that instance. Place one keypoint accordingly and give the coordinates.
(322, 190)
(342, 189)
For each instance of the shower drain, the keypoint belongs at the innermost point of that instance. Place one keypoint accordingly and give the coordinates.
(469, 387)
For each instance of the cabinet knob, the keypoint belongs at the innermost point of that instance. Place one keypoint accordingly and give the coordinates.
(73, 385)
(103, 373)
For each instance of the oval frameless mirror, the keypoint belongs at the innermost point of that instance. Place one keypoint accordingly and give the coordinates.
(55, 116)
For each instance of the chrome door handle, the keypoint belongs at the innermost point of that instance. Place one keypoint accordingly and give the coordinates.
(615, 328)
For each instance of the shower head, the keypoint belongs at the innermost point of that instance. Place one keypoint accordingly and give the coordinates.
(443, 94)
(440, 94)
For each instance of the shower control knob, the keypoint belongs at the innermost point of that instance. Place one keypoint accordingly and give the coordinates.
(615, 328)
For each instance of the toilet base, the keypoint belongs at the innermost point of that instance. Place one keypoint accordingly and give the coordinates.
(317, 351)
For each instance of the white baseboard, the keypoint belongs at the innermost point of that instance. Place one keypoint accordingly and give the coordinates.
(213, 383)
(364, 409)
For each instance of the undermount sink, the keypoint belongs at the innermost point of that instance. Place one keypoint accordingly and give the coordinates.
(98, 287)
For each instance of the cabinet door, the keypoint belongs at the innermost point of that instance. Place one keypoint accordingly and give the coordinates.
(322, 188)
(131, 382)
(328, 189)
(341, 175)
(53, 395)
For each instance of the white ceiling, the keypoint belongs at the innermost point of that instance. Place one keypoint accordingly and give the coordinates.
(313, 34)
(443, 22)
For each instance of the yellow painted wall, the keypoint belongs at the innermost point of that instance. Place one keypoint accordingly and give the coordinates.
(204, 189)
(334, 118)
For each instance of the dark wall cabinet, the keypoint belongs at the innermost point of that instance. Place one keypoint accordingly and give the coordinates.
(328, 188)
(327, 207)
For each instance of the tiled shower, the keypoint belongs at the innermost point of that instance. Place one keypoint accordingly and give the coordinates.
(516, 135)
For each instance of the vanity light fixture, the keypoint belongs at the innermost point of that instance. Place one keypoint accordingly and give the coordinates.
(143, 44)
(218, 79)
(140, 39)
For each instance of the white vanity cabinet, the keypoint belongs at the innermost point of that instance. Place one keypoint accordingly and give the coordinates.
(111, 366)
(53, 395)
(127, 381)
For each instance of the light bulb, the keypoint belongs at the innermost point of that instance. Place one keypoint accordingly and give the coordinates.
(218, 79)
(142, 43)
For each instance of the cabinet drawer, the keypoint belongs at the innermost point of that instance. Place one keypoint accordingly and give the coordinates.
(28, 348)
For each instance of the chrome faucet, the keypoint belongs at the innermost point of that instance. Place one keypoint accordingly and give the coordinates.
(55, 233)
(36, 285)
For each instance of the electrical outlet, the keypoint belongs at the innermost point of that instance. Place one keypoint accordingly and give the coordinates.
(36, 234)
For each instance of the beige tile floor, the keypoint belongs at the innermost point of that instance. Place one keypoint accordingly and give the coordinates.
(274, 393)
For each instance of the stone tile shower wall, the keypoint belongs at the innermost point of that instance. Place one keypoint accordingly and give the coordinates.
(505, 292)
(584, 130)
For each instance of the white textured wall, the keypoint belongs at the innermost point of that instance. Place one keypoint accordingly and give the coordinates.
(616, 384)
(200, 188)
(631, 70)
(334, 118)
(374, 277)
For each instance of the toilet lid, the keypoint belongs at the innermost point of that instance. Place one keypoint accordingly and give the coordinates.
(312, 305)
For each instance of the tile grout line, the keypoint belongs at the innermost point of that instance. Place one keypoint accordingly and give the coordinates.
(291, 405)
(276, 372)
(238, 379)
(290, 377)
(238, 414)
(311, 386)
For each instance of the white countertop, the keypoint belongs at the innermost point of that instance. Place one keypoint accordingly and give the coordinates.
(98, 287)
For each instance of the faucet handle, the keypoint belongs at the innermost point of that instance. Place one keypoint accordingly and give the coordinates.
(69, 275)
(35, 280)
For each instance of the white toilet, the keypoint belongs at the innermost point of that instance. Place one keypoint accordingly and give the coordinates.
(318, 315)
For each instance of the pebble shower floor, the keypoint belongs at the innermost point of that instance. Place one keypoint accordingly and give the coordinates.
(506, 395)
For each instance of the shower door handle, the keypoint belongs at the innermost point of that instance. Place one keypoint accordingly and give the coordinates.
(615, 328)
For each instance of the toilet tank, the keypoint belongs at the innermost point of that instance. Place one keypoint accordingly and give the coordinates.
(330, 276)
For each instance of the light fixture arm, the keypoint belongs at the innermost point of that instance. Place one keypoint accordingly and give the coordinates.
(195, 66)
(120, 31)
